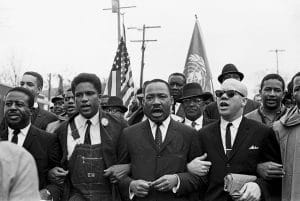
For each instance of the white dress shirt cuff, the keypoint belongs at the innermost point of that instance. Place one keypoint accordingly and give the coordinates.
(131, 194)
(175, 188)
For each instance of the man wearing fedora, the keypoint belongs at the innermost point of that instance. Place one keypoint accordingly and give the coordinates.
(193, 104)
(211, 112)
(115, 106)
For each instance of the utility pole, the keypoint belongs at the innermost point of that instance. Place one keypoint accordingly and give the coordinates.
(276, 52)
(49, 89)
(143, 47)
(116, 9)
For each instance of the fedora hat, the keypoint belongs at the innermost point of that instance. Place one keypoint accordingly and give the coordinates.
(229, 69)
(114, 101)
(191, 90)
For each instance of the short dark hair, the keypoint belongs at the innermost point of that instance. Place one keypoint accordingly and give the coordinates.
(86, 77)
(272, 76)
(154, 81)
(292, 81)
(178, 74)
(38, 77)
(26, 92)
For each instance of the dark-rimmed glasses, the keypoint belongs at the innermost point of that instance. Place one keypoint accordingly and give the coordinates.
(229, 93)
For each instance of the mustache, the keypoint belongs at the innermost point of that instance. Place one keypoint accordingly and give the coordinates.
(156, 109)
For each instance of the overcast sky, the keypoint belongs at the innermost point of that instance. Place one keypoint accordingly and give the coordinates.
(73, 36)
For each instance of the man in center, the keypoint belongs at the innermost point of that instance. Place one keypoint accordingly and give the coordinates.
(159, 150)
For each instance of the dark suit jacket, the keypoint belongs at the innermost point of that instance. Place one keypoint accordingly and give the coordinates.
(180, 112)
(136, 117)
(211, 112)
(41, 118)
(110, 135)
(44, 148)
(147, 163)
(242, 159)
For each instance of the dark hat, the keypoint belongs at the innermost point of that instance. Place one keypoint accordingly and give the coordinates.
(104, 100)
(230, 68)
(57, 98)
(192, 90)
(139, 93)
(114, 101)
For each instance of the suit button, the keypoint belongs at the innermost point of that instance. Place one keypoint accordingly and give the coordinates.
(158, 156)
(228, 165)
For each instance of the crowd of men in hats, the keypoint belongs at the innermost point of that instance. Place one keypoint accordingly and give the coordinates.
(174, 142)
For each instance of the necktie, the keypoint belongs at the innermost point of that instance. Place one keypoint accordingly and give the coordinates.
(228, 139)
(193, 124)
(14, 139)
(158, 136)
(87, 136)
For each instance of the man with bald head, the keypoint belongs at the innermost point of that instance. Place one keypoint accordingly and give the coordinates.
(235, 144)
(211, 112)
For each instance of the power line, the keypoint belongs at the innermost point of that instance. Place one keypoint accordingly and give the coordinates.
(143, 47)
(276, 52)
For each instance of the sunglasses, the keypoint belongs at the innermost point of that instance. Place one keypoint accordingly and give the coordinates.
(229, 93)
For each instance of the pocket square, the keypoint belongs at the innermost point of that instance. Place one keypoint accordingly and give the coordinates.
(253, 147)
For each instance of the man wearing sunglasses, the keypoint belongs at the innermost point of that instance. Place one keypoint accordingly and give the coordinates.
(211, 112)
(235, 144)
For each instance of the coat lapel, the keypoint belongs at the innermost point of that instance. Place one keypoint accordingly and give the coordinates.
(64, 136)
(148, 133)
(108, 150)
(29, 138)
(169, 135)
(217, 140)
(4, 135)
(242, 134)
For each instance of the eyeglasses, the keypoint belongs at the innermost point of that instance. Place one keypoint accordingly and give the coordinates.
(112, 110)
(194, 100)
(229, 93)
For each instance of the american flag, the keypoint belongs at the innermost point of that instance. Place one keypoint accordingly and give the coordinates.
(120, 82)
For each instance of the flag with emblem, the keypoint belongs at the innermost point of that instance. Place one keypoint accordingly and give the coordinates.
(196, 67)
(120, 81)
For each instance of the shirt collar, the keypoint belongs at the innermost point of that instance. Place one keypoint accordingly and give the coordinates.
(235, 123)
(165, 123)
(279, 112)
(197, 121)
(35, 105)
(23, 131)
(94, 119)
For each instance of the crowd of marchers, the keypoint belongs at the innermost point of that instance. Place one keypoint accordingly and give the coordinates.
(174, 142)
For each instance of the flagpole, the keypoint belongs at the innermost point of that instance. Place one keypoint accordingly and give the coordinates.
(119, 22)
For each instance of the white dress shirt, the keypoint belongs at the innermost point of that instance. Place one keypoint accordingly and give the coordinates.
(233, 129)
(163, 128)
(198, 122)
(21, 136)
(177, 106)
(81, 126)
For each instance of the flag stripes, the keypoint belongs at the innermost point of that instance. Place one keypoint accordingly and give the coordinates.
(120, 82)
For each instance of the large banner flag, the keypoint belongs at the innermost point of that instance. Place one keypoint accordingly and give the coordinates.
(120, 82)
(196, 67)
